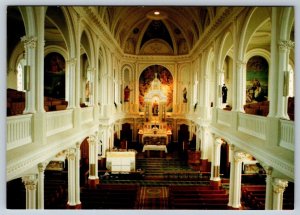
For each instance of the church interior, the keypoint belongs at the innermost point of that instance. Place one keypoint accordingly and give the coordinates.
(150, 107)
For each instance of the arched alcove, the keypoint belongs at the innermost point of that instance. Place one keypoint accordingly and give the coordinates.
(166, 79)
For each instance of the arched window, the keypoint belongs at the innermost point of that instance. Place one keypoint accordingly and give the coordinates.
(20, 75)
(291, 81)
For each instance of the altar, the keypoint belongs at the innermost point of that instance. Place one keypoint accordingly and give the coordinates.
(121, 161)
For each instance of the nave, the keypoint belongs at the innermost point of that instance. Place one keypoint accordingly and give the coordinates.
(167, 183)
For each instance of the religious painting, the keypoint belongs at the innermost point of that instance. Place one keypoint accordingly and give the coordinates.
(166, 79)
(257, 80)
(54, 79)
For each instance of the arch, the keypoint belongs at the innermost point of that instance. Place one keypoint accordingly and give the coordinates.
(165, 80)
(58, 49)
(256, 18)
(29, 20)
(225, 47)
(260, 52)
(286, 23)
(86, 42)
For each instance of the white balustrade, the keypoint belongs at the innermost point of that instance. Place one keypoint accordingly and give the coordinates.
(59, 121)
(19, 130)
(253, 125)
(224, 117)
(287, 135)
(87, 115)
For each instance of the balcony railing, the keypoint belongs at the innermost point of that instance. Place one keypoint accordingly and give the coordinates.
(224, 117)
(59, 121)
(87, 115)
(253, 125)
(19, 130)
(287, 135)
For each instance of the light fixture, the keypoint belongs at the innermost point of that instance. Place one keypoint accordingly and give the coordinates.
(156, 13)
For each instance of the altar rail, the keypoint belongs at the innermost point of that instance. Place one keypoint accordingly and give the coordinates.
(19, 130)
(253, 125)
(86, 115)
(287, 134)
(59, 121)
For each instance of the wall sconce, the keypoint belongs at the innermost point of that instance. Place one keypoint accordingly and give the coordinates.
(286, 83)
(26, 78)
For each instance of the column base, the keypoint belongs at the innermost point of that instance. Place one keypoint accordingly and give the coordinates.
(93, 182)
(74, 206)
(215, 184)
(232, 208)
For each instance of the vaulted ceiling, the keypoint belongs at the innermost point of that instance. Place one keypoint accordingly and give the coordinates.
(166, 30)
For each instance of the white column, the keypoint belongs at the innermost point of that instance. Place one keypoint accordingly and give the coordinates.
(236, 199)
(77, 175)
(269, 188)
(283, 57)
(273, 69)
(231, 178)
(215, 174)
(39, 72)
(41, 177)
(279, 186)
(204, 142)
(30, 53)
(30, 182)
(93, 157)
(70, 82)
(71, 177)
(241, 83)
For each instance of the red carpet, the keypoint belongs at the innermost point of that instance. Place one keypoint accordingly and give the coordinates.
(153, 198)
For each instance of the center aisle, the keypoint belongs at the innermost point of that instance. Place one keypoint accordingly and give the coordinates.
(153, 197)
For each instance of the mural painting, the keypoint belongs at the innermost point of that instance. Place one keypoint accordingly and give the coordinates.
(54, 80)
(166, 79)
(257, 80)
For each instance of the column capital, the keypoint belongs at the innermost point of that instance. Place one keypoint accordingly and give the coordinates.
(92, 139)
(30, 182)
(72, 61)
(241, 62)
(268, 169)
(71, 153)
(218, 141)
(231, 147)
(29, 42)
(239, 156)
(41, 167)
(286, 45)
(279, 185)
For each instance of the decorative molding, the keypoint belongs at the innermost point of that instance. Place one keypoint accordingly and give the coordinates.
(71, 154)
(279, 185)
(30, 182)
(29, 42)
(286, 45)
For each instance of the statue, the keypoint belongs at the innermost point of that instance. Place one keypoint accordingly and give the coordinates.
(126, 94)
(184, 95)
(224, 93)
(155, 108)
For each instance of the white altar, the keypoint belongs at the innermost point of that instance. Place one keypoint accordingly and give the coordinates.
(155, 148)
(121, 161)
